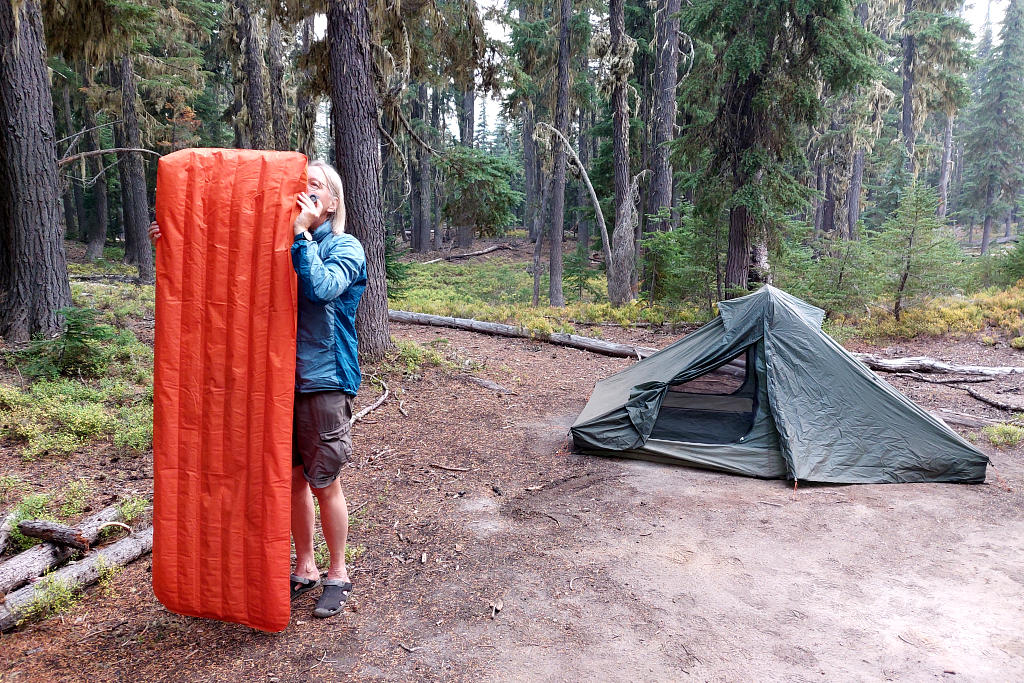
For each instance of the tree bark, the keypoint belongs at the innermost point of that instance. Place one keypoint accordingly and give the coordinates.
(853, 194)
(620, 270)
(907, 121)
(252, 69)
(986, 233)
(278, 107)
(79, 231)
(426, 191)
(737, 262)
(306, 103)
(665, 75)
(53, 532)
(583, 224)
(926, 364)
(466, 106)
(531, 188)
(435, 214)
(555, 295)
(33, 267)
(355, 106)
(944, 170)
(137, 247)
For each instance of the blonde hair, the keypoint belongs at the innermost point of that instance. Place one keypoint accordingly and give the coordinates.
(337, 191)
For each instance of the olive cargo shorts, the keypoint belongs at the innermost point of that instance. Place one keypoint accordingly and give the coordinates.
(321, 438)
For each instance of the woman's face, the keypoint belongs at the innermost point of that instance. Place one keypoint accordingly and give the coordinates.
(316, 183)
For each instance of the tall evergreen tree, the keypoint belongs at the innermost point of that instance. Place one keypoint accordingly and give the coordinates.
(33, 270)
(754, 87)
(995, 133)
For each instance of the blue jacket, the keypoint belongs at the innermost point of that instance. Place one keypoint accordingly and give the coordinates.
(332, 277)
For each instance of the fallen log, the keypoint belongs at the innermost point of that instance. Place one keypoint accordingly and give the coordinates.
(101, 278)
(948, 380)
(5, 531)
(963, 419)
(54, 533)
(452, 257)
(487, 384)
(571, 340)
(31, 601)
(926, 364)
(27, 565)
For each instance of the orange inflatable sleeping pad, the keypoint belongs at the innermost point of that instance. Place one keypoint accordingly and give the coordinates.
(224, 383)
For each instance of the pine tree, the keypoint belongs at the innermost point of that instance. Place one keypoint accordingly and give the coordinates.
(995, 134)
(754, 87)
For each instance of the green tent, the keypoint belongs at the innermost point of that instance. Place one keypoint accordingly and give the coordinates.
(762, 391)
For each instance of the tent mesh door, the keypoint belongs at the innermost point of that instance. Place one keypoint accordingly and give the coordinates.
(717, 407)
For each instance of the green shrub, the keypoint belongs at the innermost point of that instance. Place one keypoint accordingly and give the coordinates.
(134, 429)
(1003, 435)
(51, 596)
(78, 352)
(132, 507)
(74, 498)
(1017, 343)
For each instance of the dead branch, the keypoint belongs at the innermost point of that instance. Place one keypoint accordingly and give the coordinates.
(994, 402)
(605, 240)
(21, 604)
(27, 565)
(926, 364)
(487, 384)
(369, 409)
(571, 340)
(54, 533)
(114, 150)
(446, 468)
(922, 378)
(452, 257)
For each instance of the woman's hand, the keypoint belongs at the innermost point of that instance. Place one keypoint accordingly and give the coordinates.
(154, 232)
(313, 213)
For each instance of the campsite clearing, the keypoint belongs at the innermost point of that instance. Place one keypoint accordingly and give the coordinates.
(603, 569)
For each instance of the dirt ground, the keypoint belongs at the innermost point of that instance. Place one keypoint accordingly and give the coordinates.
(493, 553)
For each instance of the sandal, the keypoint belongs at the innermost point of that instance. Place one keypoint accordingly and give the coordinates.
(333, 598)
(301, 585)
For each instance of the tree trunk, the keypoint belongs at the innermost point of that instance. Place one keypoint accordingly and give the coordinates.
(355, 106)
(582, 223)
(555, 294)
(944, 170)
(907, 122)
(620, 270)
(828, 207)
(660, 196)
(278, 107)
(426, 191)
(986, 233)
(435, 215)
(1009, 225)
(252, 69)
(33, 267)
(853, 194)
(80, 230)
(414, 166)
(737, 263)
(137, 247)
(306, 103)
(531, 188)
(465, 104)
(819, 199)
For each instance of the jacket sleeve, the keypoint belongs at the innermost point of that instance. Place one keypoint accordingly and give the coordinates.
(325, 278)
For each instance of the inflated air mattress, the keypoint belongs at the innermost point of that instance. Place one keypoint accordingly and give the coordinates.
(224, 382)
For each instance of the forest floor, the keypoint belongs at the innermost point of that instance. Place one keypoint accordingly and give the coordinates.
(494, 553)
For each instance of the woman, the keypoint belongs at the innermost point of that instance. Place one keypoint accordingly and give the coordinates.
(331, 269)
